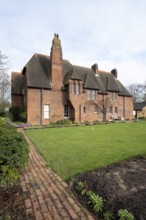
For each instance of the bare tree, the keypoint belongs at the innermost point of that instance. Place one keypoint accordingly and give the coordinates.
(4, 82)
(144, 96)
(103, 105)
(138, 91)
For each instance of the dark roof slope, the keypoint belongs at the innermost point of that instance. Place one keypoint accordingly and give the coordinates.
(17, 83)
(122, 90)
(139, 105)
(38, 71)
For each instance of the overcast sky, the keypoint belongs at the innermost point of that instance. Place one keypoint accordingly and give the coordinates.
(111, 33)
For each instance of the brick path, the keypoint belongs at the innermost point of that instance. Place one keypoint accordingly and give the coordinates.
(47, 196)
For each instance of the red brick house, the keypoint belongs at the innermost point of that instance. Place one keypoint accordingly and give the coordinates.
(51, 88)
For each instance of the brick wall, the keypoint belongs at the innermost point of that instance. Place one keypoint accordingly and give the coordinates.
(56, 99)
(37, 98)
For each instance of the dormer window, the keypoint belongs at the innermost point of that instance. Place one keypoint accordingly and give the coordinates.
(114, 96)
(89, 94)
(111, 96)
(77, 88)
(93, 94)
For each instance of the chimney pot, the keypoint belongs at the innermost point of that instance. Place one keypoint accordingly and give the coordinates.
(115, 73)
(95, 68)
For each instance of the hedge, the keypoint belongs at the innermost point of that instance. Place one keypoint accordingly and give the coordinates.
(13, 151)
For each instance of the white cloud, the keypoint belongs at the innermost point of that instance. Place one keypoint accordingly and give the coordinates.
(109, 32)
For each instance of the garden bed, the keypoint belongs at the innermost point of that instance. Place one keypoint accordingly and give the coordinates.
(121, 185)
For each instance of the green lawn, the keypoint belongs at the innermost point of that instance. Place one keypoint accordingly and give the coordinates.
(73, 150)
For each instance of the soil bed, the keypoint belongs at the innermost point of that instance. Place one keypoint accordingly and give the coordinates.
(12, 204)
(121, 185)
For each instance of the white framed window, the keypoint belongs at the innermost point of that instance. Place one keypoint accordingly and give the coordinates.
(66, 111)
(93, 94)
(78, 89)
(96, 109)
(46, 111)
(73, 88)
(89, 94)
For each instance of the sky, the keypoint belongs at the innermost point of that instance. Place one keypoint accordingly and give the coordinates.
(111, 33)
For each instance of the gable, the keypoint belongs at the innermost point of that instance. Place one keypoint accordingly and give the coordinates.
(38, 72)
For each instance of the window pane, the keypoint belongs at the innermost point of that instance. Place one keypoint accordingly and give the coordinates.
(46, 111)
(77, 89)
(96, 109)
(89, 93)
(111, 95)
(111, 110)
(93, 94)
(66, 111)
(116, 110)
(115, 96)
(46, 107)
(73, 88)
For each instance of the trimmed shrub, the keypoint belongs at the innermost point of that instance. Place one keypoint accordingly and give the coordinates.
(13, 152)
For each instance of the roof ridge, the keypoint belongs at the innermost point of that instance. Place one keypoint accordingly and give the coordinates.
(40, 54)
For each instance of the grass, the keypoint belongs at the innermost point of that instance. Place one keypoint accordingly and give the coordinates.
(73, 150)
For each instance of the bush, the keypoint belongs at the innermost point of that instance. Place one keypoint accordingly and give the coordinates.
(6, 123)
(23, 116)
(13, 153)
(75, 123)
(2, 113)
(86, 123)
(1, 121)
(64, 122)
(96, 122)
(14, 113)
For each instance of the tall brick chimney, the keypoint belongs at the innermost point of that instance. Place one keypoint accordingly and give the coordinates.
(56, 63)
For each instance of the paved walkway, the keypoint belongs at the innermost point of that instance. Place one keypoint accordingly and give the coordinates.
(46, 195)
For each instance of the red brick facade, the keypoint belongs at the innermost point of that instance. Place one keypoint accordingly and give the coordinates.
(72, 100)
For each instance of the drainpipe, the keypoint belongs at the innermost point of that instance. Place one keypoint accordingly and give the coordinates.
(103, 113)
(41, 105)
(124, 107)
